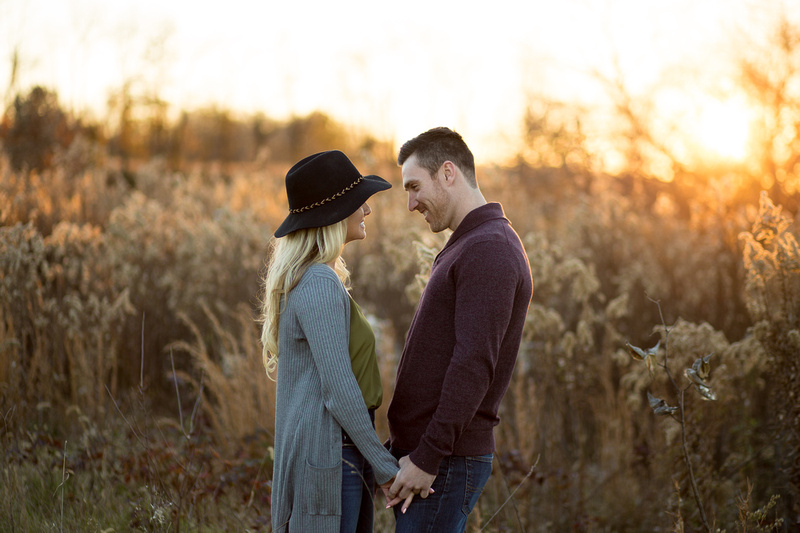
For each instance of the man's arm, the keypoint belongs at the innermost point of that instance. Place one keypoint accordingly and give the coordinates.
(486, 285)
(485, 291)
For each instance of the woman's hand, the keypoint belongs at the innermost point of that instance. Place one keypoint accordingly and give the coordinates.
(385, 488)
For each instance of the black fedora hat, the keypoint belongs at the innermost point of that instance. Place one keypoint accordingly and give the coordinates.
(325, 188)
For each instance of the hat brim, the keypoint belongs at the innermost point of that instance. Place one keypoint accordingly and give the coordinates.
(335, 210)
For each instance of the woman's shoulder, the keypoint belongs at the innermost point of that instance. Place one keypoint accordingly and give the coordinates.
(319, 272)
(320, 269)
(319, 290)
(319, 278)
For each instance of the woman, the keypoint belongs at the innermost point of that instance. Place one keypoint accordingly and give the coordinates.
(328, 385)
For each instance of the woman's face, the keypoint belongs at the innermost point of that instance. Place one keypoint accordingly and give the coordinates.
(356, 230)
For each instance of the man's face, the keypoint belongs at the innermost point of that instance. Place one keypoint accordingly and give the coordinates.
(426, 195)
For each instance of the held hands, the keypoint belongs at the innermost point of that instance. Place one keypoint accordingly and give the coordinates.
(410, 481)
(385, 489)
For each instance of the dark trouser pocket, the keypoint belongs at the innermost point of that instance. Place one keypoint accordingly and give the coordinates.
(478, 470)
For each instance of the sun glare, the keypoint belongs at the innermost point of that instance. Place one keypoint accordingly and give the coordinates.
(723, 128)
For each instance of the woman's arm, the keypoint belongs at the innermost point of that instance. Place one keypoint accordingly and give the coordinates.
(323, 312)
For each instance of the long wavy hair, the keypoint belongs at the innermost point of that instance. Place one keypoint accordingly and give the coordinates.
(289, 259)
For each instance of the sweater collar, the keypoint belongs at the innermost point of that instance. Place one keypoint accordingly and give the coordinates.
(476, 217)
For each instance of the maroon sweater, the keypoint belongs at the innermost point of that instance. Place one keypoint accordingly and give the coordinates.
(462, 344)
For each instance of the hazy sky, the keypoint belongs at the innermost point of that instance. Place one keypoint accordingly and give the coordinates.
(397, 68)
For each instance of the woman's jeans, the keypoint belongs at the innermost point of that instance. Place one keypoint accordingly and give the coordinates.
(358, 484)
(456, 489)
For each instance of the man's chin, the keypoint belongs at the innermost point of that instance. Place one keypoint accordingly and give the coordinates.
(434, 225)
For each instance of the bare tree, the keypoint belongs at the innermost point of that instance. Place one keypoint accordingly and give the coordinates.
(770, 73)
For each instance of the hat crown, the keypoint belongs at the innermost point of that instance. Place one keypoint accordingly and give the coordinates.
(325, 188)
(318, 179)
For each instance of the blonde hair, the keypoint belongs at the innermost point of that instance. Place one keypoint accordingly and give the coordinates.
(289, 259)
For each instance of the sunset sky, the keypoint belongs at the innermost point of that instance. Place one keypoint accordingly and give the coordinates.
(393, 68)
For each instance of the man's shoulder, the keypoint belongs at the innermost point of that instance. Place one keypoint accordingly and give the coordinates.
(492, 234)
(493, 245)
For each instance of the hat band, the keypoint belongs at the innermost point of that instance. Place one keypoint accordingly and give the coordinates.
(328, 199)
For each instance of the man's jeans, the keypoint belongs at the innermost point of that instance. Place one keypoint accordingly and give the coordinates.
(456, 489)
(358, 482)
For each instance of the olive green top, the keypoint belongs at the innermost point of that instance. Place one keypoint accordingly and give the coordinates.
(364, 357)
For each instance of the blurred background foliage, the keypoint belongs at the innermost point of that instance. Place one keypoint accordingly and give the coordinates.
(130, 256)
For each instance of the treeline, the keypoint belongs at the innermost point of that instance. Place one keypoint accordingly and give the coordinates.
(35, 131)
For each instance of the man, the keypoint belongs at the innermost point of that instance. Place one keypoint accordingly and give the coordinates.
(463, 341)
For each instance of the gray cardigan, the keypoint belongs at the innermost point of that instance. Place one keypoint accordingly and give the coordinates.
(317, 396)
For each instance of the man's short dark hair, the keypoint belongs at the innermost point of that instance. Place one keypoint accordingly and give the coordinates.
(436, 146)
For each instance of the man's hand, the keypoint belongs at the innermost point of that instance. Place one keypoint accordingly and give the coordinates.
(410, 481)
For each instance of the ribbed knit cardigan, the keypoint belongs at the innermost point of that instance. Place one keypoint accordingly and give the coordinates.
(317, 397)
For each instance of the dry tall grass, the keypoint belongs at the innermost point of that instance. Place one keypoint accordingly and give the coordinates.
(232, 389)
(104, 289)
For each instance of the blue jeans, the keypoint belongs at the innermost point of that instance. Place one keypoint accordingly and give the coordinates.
(456, 489)
(358, 483)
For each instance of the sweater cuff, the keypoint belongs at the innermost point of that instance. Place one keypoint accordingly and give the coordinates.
(427, 459)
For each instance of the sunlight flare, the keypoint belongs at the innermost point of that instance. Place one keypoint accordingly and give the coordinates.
(723, 128)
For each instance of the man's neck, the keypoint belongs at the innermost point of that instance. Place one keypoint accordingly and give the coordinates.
(471, 201)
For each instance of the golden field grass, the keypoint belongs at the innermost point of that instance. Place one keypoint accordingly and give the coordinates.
(133, 396)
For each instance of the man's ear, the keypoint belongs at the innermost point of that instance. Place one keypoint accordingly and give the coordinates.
(449, 172)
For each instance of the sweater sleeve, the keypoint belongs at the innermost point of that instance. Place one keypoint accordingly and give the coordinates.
(486, 281)
(323, 315)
